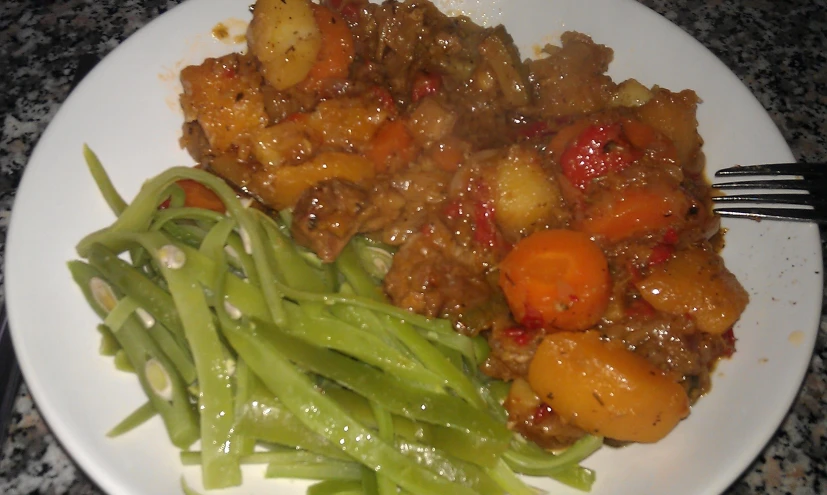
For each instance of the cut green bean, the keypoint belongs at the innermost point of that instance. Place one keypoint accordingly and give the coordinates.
(336, 335)
(160, 381)
(285, 456)
(392, 393)
(104, 183)
(134, 284)
(532, 460)
(265, 418)
(384, 420)
(218, 441)
(122, 362)
(108, 344)
(322, 415)
(375, 257)
(325, 470)
(336, 487)
(136, 418)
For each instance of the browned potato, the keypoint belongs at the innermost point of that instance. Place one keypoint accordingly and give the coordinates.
(696, 283)
(606, 389)
(673, 114)
(223, 96)
(525, 195)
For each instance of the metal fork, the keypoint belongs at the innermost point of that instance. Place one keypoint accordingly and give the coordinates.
(805, 184)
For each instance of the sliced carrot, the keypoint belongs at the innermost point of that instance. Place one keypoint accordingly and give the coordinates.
(337, 49)
(391, 142)
(629, 212)
(197, 195)
(559, 277)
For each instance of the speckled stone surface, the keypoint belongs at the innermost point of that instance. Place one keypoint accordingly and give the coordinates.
(777, 48)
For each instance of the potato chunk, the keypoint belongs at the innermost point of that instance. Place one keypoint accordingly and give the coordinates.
(673, 114)
(223, 95)
(605, 389)
(695, 282)
(285, 38)
(525, 195)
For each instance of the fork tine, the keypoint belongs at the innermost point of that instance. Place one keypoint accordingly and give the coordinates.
(809, 185)
(780, 198)
(796, 214)
(775, 169)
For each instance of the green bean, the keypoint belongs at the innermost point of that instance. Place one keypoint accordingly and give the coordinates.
(247, 297)
(157, 302)
(109, 344)
(300, 340)
(336, 335)
(289, 264)
(324, 470)
(448, 440)
(218, 440)
(530, 459)
(433, 359)
(375, 257)
(384, 420)
(350, 266)
(162, 217)
(134, 284)
(325, 417)
(509, 481)
(281, 456)
(575, 476)
(166, 390)
(136, 418)
(122, 362)
(104, 183)
(243, 388)
(265, 418)
(456, 470)
(138, 215)
(336, 487)
(389, 391)
(367, 321)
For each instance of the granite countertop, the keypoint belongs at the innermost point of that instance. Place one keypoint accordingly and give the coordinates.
(777, 48)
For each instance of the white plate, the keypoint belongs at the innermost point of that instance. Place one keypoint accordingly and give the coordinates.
(126, 109)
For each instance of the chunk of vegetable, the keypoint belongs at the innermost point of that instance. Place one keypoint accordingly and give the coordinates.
(285, 38)
(524, 194)
(430, 121)
(629, 212)
(288, 183)
(696, 282)
(199, 196)
(391, 147)
(282, 143)
(558, 278)
(597, 151)
(605, 389)
(223, 96)
(673, 114)
(631, 93)
(345, 122)
(336, 51)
